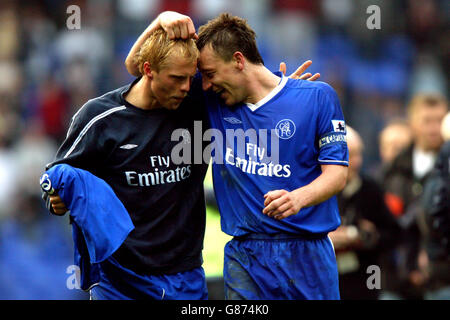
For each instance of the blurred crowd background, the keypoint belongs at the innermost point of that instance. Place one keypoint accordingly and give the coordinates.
(47, 72)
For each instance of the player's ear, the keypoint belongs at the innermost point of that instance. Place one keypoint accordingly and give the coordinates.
(239, 60)
(147, 70)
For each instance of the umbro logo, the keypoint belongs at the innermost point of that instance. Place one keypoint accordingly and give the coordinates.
(128, 146)
(232, 120)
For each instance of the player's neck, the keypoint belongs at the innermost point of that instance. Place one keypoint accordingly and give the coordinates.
(260, 82)
(141, 97)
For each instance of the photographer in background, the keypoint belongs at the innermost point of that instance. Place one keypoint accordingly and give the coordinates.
(435, 224)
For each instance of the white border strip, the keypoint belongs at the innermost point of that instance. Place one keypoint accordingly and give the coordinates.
(267, 98)
(335, 161)
(73, 118)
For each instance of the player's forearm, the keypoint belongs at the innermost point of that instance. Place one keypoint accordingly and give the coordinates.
(132, 68)
(329, 183)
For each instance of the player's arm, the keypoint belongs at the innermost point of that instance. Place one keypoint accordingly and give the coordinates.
(175, 24)
(82, 148)
(333, 159)
(281, 203)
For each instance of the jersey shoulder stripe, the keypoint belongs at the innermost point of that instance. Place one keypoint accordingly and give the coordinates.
(95, 105)
(72, 121)
(89, 125)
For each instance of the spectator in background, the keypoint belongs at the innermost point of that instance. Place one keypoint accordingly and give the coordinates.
(435, 224)
(8, 184)
(32, 151)
(404, 180)
(367, 226)
(394, 137)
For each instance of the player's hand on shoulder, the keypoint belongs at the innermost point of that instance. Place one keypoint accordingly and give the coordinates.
(281, 204)
(177, 25)
(59, 208)
(299, 73)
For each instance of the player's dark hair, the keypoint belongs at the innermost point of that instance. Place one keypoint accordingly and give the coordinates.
(228, 34)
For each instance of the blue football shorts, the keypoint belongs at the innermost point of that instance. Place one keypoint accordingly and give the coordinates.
(119, 283)
(282, 266)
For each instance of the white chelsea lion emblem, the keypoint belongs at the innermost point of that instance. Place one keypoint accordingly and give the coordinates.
(285, 128)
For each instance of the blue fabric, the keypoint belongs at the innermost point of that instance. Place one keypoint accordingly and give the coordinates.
(304, 122)
(118, 283)
(275, 269)
(100, 221)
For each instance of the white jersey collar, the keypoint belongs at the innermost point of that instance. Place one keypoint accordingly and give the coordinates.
(273, 93)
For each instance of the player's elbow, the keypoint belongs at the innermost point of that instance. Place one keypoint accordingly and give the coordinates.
(342, 178)
(335, 178)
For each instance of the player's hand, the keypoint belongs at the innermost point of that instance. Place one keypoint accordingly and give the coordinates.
(281, 204)
(177, 25)
(298, 74)
(58, 205)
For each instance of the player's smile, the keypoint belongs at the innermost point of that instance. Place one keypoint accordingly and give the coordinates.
(220, 91)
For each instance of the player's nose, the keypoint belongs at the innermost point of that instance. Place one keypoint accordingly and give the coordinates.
(185, 86)
(206, 84)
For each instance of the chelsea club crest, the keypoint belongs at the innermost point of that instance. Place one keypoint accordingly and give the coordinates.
(285, 128)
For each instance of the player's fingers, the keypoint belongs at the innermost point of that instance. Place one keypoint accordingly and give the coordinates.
(283, 68)
(59, 210)
(314, 77)
(267, 200)
(273, 206)
(305, 76)
(272, 195)
(280, 210)
(275, 193)
(170, 33)
(184, 31)
(191, 30)
(59, 205)
(54, 199)
(301, 69)
(176, 31)
(286, 213)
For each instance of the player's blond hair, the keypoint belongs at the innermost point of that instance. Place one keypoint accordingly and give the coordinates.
(158, 47)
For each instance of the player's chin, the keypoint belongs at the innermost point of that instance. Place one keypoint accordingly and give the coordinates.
(173, 106)
(229, 101)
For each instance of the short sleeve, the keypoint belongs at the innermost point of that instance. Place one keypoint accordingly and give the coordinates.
(331, 132)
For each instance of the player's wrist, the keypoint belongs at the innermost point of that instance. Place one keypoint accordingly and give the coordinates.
(299, 199)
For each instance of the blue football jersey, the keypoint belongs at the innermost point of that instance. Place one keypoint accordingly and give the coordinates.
(278, 143)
